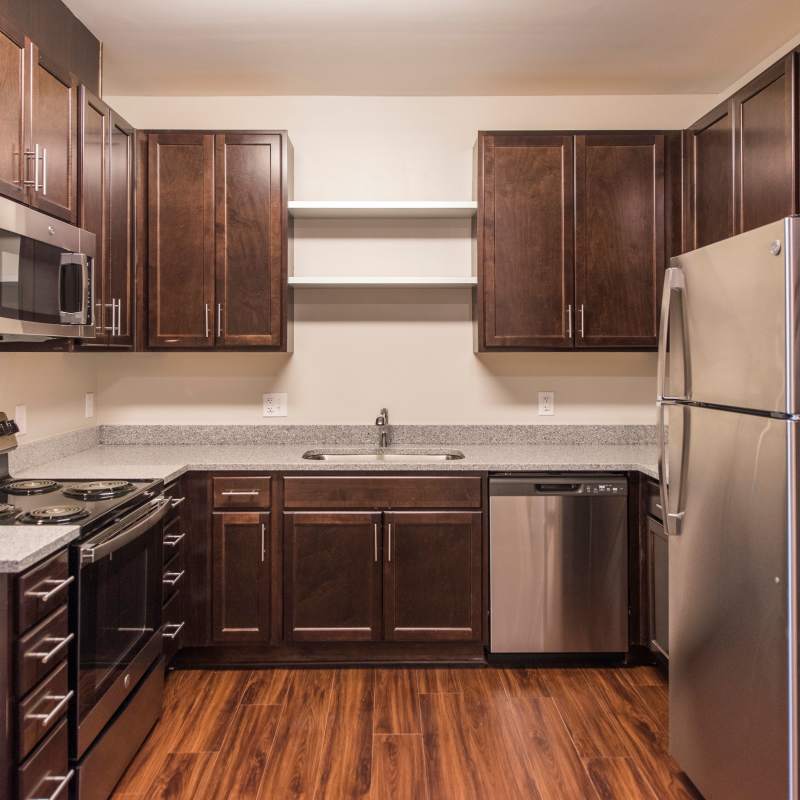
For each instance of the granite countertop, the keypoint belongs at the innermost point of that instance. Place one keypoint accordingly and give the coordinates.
(22, 546)
(170, 461)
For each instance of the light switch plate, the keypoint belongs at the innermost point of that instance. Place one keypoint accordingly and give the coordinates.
(275, 404)
(89, 405)
(21, 418)
(547, 404)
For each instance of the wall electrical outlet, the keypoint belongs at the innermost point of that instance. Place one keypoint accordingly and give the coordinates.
(547, 404)
(89, 406)
(21, 418)
(275, 404)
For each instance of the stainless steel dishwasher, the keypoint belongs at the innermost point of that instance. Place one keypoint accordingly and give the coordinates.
(559, 563)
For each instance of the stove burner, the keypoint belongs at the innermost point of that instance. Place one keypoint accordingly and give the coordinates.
(52, 515)
(99, 490)
(7, 511)
(32, 486)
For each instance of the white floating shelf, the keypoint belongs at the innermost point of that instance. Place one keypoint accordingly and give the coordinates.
(373, 280)
(382, 209)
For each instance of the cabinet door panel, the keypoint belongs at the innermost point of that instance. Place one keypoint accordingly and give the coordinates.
(181, 239)
(432, 576)
(709, 178)
(765, 136)
(241, 577)
(525, 240)
(54, 129)
(120, 236)
(12, 101)
(658, 579)
(619, 252)
(332, 576)
(249, 239)
(92, 201)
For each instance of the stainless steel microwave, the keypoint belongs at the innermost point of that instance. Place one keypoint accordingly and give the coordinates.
(46, 276)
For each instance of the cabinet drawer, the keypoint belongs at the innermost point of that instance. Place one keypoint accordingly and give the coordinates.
(41, 710)
(335, 492)
(175, 492)
(173, 577)
(172, 631)
(42, 589)
(241, 492)
(653, 500)
(41, 650)
(174, 541)
(46, 773)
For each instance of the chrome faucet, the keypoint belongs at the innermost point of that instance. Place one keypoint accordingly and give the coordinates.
(382, 421)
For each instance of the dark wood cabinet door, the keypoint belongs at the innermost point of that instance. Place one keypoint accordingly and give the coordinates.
(765, 136)
(93, 202)
(240, 577)
(525, 241)
(619, 239)
(658, 586)
(432, 576)
(250, 240)
(13, 77)
(180, 190)
(332, 576)
(709, 178)
(120, 234)
(54, 130)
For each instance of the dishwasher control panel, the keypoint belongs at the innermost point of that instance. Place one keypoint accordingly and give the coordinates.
(605, 488)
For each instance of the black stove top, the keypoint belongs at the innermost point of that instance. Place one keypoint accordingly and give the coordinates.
(90, 503)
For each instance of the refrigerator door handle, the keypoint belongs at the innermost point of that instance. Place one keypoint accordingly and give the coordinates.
(672, 519)
(674, 282)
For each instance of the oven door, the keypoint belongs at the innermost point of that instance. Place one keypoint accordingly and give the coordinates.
(118, 616)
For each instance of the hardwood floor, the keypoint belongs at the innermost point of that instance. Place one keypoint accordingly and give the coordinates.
(421, 734)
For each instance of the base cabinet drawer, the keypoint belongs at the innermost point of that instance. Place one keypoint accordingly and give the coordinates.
(41, 710)
(174, 621)
(42, 649)
(46, 773)
(42, 590)
(241, 492)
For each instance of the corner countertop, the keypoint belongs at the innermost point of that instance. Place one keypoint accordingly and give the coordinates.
(167, 462)
(22, 546)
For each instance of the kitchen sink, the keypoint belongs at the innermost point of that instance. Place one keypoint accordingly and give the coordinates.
(393, 455)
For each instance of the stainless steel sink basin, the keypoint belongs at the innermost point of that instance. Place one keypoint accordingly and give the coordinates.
(398, 455)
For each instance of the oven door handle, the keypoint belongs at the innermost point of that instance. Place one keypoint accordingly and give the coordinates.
(92, 553)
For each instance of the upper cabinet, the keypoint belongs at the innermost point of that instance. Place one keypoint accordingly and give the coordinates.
(217, 240)
(12, 120)
(572, 238)
(741, 168)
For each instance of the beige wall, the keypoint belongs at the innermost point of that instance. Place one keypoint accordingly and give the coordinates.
(358, 350)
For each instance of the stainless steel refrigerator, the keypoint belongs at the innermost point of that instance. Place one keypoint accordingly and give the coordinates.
(728, 414)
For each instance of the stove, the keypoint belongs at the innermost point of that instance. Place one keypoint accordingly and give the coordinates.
(31, 486)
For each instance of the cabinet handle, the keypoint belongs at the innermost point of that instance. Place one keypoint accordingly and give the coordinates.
(27, 155)
(176, 501)
(206, 320)
(569, 321)
(178, 626)
(171, 578)
(45, 657)
(44, 170)
(231, 493)
(36, 158)
(390, 543)
(173, 540)
(219, 319)
(63, 782)
(263, 538)
(61, 704)
(375, 543)
(59, 585)
(582, 320)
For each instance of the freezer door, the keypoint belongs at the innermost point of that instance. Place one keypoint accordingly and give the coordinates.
(729, 589)
(738, 334)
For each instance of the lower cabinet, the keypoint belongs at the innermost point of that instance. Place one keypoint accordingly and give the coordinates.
(392, 576)
(658, 579)
(240, 568)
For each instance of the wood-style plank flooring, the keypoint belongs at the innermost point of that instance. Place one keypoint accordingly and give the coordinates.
(422, 734)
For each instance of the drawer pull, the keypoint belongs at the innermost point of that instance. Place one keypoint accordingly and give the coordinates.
(176, 501)
(45, 657)
(232, 493)
(63, 782)
(171, 578)
(177, 626)
(59, 585)
(173, 539)
(61, 704)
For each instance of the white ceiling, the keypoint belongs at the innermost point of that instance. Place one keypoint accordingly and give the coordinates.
(433, 47)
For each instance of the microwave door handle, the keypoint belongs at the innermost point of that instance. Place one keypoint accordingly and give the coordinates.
(92, 553)
(674, 283)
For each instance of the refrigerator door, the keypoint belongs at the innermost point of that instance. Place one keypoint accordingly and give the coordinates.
(738, 333)
(730, 700)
